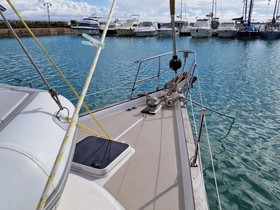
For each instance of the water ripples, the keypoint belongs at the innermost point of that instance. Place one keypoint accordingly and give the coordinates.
(240, 78)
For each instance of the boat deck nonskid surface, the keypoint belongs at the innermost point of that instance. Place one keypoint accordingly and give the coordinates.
(148, 180)
(151, 178)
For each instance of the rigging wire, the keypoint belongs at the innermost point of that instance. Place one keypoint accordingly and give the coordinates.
(219, 113)
(70, 131)
(196, 131)
(57, 68)
(52, 92)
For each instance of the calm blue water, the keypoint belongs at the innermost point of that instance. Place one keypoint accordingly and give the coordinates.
(239, 78)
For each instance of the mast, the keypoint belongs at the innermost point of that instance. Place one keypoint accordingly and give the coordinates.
(214, 8)
(245, 9)
(277, 12)
(185, 9)
(175, 63)
(181, 14)
(274, 13)
(250, 12)
(215, 15)
(172, 15)
(212, 11)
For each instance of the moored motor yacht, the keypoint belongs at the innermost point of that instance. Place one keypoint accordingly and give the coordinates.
(127, 27)
(146, 29)
(226, 30)
(165, 30)
(201, 29)
(89, 25)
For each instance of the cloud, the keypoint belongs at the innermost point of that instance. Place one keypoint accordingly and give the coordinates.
(59, 9)
(156, 10)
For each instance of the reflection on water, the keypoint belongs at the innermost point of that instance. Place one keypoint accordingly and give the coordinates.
(240, 78)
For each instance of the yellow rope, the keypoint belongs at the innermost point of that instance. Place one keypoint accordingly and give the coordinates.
(90, 131)
(48, 186)
(57, 68)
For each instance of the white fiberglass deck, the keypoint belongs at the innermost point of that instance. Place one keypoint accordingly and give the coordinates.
(156, 176)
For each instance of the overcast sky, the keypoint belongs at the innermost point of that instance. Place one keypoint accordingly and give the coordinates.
(156, 10)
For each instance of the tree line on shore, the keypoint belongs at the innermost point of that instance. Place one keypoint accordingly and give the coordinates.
(35, 24)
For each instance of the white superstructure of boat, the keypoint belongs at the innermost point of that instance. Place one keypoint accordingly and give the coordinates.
(226, 30)
(202, 28)
(89, 25)
(127, 27)
(111, 29)
(185, 29)
(165, 30)
(146, 29)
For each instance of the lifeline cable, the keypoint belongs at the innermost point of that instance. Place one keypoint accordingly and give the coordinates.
(210, 150)
(217, 112)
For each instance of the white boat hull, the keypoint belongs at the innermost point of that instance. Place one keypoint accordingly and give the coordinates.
(201, 32)
(166, 32)
(125, 31)
(226, 33)
(145, 33)
(87, 30)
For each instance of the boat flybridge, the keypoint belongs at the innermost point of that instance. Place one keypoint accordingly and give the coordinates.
(89, 25)
(136, 154)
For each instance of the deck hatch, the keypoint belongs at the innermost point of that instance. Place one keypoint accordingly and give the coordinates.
(98, 156)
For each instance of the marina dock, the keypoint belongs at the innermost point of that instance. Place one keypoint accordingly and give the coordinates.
(5, 33)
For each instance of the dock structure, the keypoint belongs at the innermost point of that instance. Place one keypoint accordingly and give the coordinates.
(5, 33)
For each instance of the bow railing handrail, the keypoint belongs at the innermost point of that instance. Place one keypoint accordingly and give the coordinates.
(159, 72)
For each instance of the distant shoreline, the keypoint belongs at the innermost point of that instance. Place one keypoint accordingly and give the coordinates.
(22, 32)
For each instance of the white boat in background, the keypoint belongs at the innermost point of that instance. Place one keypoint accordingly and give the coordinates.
(185, 29)
(202, 28)
(111, 29)
(127, 27)
(181, 23)
(146, 29)
(226, 30)
(165, 30)
(89, 25)
(144, 155)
